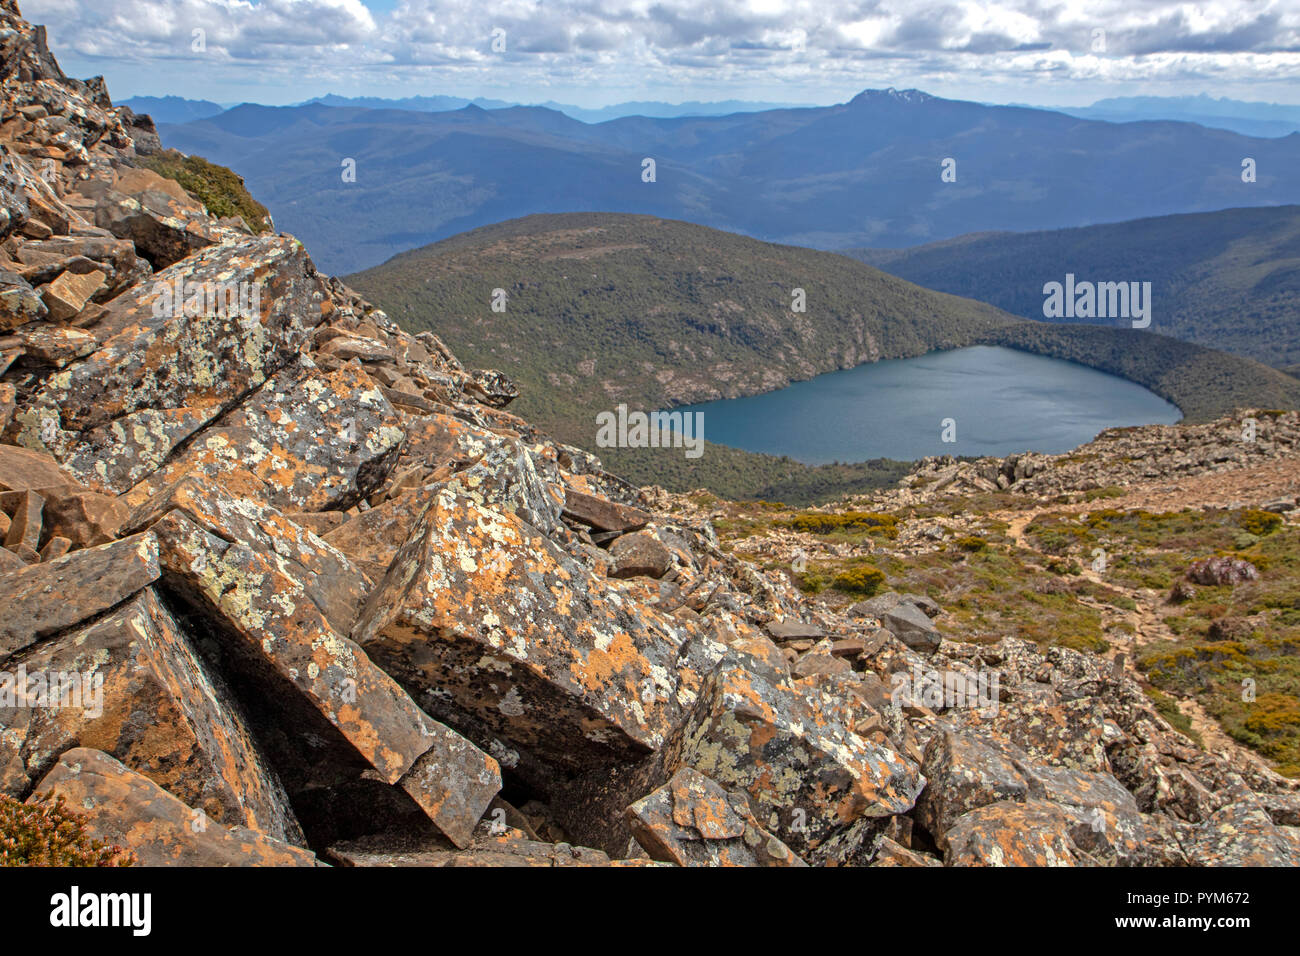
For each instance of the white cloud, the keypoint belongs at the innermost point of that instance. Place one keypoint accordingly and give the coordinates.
(711, 45)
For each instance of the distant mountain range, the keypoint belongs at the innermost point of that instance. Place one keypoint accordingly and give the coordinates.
(1227, 279)
(434, 104)
(1247, 118)
(1250, 119)
(866, 173)
(603, 309)
(173, 109)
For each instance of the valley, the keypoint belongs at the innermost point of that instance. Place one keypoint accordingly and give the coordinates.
(606, 309)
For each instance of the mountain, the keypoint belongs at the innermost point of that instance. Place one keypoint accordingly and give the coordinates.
(285, 585)
(173, 109)
(1249, 119)
(419, 104)
(605, 309)
(434, 104)
(864, 173)
(1228, 279)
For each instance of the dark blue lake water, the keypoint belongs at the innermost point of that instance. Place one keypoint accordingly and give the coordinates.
(1002, 402)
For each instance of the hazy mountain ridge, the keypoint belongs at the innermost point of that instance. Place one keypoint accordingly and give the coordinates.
(865, 173)
(1227, 280)
(340, 606)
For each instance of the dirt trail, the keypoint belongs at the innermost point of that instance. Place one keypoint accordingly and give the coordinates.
(1234, 488)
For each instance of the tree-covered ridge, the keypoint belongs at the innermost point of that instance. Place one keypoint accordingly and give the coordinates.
(1228, 280)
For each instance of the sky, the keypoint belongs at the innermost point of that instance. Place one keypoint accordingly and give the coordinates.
(593, 53)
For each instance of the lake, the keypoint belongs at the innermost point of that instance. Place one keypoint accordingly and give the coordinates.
(1002, 402)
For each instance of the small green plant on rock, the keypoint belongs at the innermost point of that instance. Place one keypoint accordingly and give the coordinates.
(47, 833)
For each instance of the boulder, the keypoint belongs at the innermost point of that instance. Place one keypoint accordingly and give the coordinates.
(1222, 570)
(1008, 833)
(811, 780)
(639, 555)
(162, 372)
(132, 683)
(692, 821)
(602, 514)
(912, 626)
(68, 294)
(19, 302)
(502, 634)
(333, 449)
(962, 775)
(87, 582)
(793, 630)
(124, 808)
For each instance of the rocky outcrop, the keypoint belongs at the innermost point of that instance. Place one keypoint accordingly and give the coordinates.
(285, 584)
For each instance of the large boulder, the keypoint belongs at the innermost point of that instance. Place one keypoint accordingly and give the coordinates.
(912, 626)
(812, 781)
(121, 807)
(279, 601)
(132, 683)
(313, 440)
(963, 774)
(163, 370)
(499, 632)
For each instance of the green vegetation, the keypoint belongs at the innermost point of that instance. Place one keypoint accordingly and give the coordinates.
(49, 834)
(1259, 522)
(1235, 650)
(862, 580)
(850, 522)
(605, 308)
(219, 189)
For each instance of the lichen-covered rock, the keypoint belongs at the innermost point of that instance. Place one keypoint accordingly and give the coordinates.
(1243, 834)
(87, 583)
(124, 808)
(1069, 734)
(285, 595)
(163, 370)
(1007, 833)
(963, 774)
(314, 440)
(453, 782)
(19, 302)
(811, 780)
(692, 821)
(133, 685)
(281, 599)
(492, 626)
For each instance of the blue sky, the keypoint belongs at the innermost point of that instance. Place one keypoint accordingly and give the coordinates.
(596, 52)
